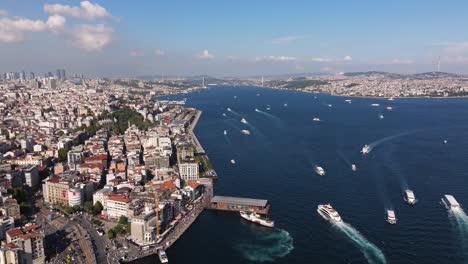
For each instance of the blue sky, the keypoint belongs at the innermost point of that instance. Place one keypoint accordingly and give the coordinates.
(232, 38)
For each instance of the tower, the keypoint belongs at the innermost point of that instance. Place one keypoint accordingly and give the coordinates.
(438, 65)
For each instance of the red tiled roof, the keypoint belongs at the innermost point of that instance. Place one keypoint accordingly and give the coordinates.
(55, 180)
(14, 232)
(119, 198)
(192, 184)
(30, 227)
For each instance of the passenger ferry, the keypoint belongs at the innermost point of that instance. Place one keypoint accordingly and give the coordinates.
(245, 132)
(162, 256)
(353, 167)
(450, 202)
(391, 219)
(256, 218)
(365, 149)
(329, 213)
(319, 170)
(409, 197)
(316, 119)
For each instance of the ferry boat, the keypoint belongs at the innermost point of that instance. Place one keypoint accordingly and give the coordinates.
(365, 149)
(389, 108)
(409, 197)
(162, 256)
(243, 121)
(450, 202)
(381, 116)
(375, 104)
(316, 119)
(353, 167)
(225, 132)
(233, 161)
(329, 213)
(245, 132)
(319, 170)
(391, 219)
(256, 218)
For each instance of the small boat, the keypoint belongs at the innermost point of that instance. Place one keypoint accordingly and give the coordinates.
(348, 101)
(245, 132)
(268, 108)
(450, 202)
(375, 104)
(409, 197)
(381, 116)
(353, 167)
(319, 170)
(256, 110)
(224, 114)
(235, 96)
(329, 213)
(330, 105)
(225, 132)
(445, 141)
(365, 149)
(316, 119)
(285, 105)
(229, 109)
(390, 99)
(243, 121)
(256, 218)
(389, 108)
(258, 94)
(162, 256)
(391, 219)
(233, 161)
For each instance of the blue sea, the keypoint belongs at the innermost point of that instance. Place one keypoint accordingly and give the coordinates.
(276, 163)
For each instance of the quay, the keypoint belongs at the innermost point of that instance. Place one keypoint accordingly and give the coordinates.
(199, 149)
(236, 204)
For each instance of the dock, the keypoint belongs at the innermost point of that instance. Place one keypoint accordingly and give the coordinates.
(237, 204)
(198, 148)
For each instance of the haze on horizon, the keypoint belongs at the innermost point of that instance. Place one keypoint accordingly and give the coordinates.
(236, 38)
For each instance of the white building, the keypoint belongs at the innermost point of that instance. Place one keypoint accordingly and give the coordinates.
(189, 171)
(117, 206)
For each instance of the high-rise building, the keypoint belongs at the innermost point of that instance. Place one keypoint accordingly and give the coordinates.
(32, 76)
(58, 75)
(64, 77)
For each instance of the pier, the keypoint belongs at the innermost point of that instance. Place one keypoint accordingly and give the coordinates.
(237, 204)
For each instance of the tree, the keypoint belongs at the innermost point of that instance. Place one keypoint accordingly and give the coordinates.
(97, 208)
(76, 208)
(118, 229)
(123, 220)
(110, 234)
(88, 206)
(60, 133)
(25, 207)
(62, 154)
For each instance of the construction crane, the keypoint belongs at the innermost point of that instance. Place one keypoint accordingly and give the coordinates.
(156, 210)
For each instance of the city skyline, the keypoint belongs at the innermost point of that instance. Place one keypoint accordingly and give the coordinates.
(109, 39)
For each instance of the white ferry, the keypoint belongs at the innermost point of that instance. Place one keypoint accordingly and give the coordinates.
(233, 161)
(243, 121)
(319, 170)
(365, 149)
(353, 167)
(245, 132)
(375, 104)
(162, 256)
(450, 202)
(409, 197)
(316, 119)
(329, 213)
(391, 219)
(256, 218)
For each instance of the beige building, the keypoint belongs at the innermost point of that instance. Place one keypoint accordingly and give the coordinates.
(117, 206)
(189, 171)
(56, 191)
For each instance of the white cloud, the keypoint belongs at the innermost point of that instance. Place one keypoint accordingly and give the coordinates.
(15, 29)
(348, 58)
(206, 55)
(87, 10)
(3, 13)
(275, 58)
(91, 37)
(321, 60)
(136, 53)
(336, 60)
(159, 52)
(287, 39)
(395, 61)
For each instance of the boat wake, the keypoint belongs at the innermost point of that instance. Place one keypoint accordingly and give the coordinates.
(267, 246)
(380, 141)
(461, 224)
(343, 157)
(233, 112)
(372, 253)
